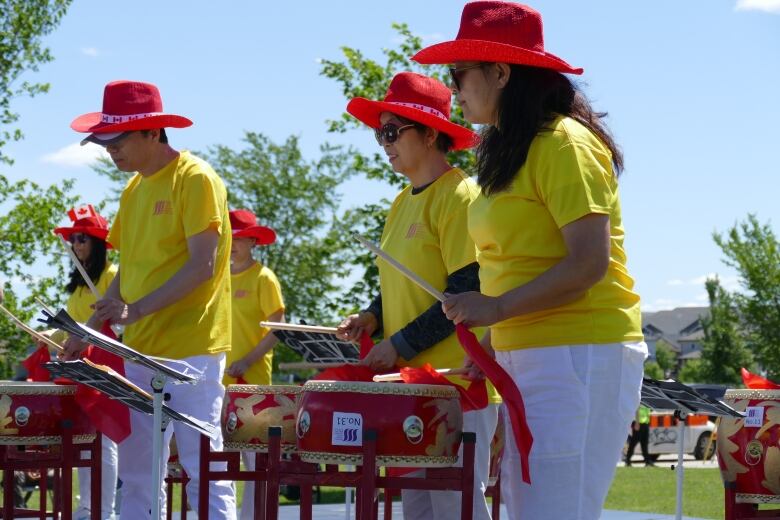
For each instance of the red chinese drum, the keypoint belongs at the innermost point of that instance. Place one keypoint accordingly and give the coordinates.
(249, 410)
(749, 448)
(416, 425)
(33, 414)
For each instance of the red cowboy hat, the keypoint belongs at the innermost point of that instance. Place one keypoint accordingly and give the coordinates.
(244, 225)
(499, 32)
(419, 98)
(128, 106)
(87, 221)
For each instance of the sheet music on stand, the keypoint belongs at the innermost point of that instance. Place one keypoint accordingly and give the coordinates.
(63, 321)
(683, 400)
(117, 387)
(318, 347)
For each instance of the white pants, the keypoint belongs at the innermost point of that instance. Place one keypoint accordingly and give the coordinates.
(248, 500)
(579, 402)
(445, 505)
(109, 455)
(203, 401)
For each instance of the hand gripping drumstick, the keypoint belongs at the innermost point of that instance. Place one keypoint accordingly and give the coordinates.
(35, 334)
(84, 275)
(301, 328)
(398, 265)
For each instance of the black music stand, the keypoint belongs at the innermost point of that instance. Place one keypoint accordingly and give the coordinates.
(318, 347)
(683, 400)
(161, 374)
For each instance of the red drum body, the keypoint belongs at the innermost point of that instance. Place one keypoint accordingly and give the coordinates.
(416, 425)
(249, 410)
(33, 414)
(749, 448)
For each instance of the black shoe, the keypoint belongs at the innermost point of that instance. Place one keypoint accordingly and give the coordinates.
(628, 463)
(649, 463)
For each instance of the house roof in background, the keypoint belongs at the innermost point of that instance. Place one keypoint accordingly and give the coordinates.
(675, 324)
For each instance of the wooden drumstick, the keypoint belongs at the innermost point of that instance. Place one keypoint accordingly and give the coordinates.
(384, 378)
(402, 268)
(80, 267)
(87, 279)
(300, 328)
(34, 333)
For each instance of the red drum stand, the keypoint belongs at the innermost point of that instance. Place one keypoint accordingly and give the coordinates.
(61, 458)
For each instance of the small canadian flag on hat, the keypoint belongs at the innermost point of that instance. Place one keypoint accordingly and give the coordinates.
(85, 211)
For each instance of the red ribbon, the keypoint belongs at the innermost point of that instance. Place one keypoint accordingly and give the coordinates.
(109, 416)
(508, 390)
(34, 365)
(473, 398)
(366, 344)
(756, 382)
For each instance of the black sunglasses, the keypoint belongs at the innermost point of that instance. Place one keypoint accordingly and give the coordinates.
(78, 237)
(456, 74)
(388, 133)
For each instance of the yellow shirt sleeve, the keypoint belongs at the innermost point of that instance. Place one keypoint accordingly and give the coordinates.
(576, 177)
(114, 233)
(270, 293)
(201, 205)
(457, 247)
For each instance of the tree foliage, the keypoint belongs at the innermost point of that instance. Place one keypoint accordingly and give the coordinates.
(723, 349)
(665, 357)
(23, 24)
(753, 250)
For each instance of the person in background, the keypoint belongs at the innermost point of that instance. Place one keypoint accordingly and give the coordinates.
(640, 433)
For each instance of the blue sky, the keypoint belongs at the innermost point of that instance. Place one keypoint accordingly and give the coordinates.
(691, 88)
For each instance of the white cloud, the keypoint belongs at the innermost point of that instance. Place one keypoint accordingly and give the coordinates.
(92, 52)
(75, 156)
(768, 6)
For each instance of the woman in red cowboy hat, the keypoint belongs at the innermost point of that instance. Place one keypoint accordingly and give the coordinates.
(172, 289)
(426, 231)
(257, 296)
(87, 236)
(564, 319)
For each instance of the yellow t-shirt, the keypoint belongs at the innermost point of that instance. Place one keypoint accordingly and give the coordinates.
(426, 232)
(157, 214)
(256, 295)
(79, 303)
(567, 175)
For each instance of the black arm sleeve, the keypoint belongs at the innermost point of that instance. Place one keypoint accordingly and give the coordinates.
(376, 309)
(432, 326)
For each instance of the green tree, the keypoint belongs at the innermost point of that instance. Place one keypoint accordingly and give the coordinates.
(753, 250)
(23, 24)
(691, 372)
(723, 350)
(654, 371)
(26, 240)
(665, 357)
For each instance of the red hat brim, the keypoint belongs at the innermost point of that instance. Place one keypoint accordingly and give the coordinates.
(99, 233)
(263, 235)
(92, 122)
(368, 111)
(483, 50)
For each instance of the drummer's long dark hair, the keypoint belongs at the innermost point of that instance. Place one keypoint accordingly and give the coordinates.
(531, 99)
(94, 266)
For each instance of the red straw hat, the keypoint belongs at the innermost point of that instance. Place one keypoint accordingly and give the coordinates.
(244, 225)
(127, 106)
(500, 32)
(419, 98)
(85, 220)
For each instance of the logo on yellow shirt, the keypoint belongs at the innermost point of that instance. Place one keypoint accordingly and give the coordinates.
(163, 207)
(417, 229)
(241, 293)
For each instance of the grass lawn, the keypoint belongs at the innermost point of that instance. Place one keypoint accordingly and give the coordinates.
(641, 489)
